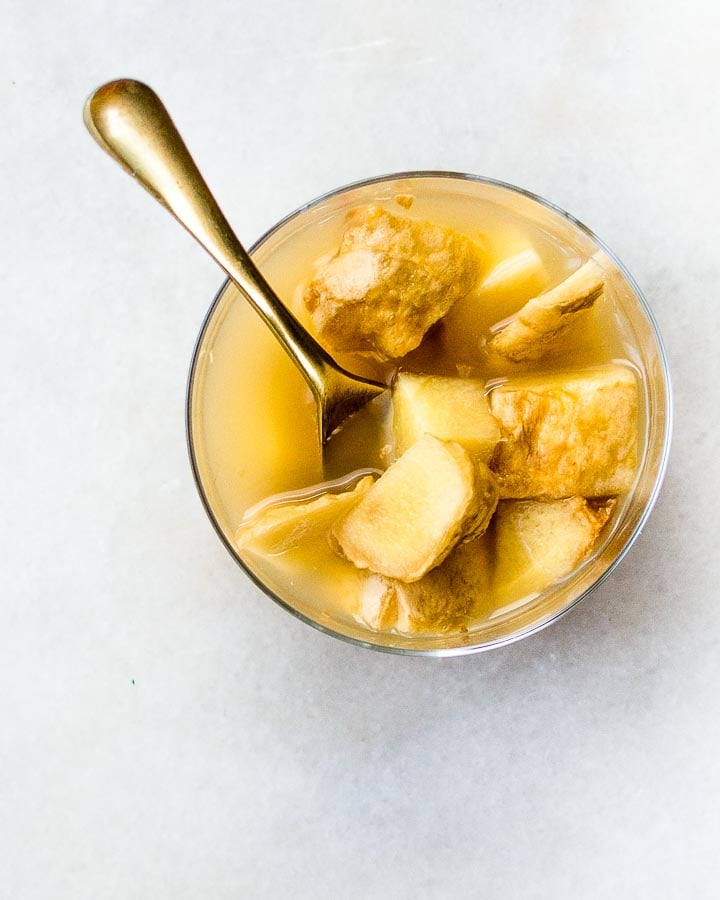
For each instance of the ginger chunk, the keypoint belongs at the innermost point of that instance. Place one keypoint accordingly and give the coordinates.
(418, 510)
(567, 434)
(390, 280)
(515, 272)
(452, 409)
(441, 601)
(277, 528)
(537, 542)
(541, 324)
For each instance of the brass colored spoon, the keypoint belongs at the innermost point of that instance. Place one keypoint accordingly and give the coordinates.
(129, 121)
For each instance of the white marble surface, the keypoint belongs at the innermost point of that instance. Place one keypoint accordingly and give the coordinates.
(166, 731)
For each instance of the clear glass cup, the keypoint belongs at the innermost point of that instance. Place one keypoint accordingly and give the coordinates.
(220, 463)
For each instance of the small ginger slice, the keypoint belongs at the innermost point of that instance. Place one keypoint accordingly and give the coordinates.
(418, 510)
(404, 200)
(540, 325)
(441, 601)
(514, 272)
(452, 409)
(378, 602)
(389, 281)
(567, 434)
(277, 528)
(538, 542)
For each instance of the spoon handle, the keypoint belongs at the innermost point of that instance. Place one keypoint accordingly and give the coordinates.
(129, 121)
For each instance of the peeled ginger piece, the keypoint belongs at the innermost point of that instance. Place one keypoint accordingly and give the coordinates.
(538, 542)
(419, 509)
(441, 601)
(278, 528)
(515, 272)
(542, 322)
(451, 409)
(390, 280)
(567, 434)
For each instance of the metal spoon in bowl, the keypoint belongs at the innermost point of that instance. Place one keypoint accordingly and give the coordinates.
(129, 121)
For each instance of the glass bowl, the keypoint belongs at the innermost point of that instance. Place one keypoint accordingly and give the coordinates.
(243, 390)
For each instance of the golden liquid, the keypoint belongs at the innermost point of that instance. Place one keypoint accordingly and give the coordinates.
(253, 417)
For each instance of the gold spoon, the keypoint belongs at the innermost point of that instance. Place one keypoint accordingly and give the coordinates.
(129, 121)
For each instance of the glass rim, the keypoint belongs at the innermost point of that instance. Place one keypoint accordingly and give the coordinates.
(469, 648)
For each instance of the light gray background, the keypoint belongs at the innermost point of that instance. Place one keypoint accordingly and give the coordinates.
(165, 730)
